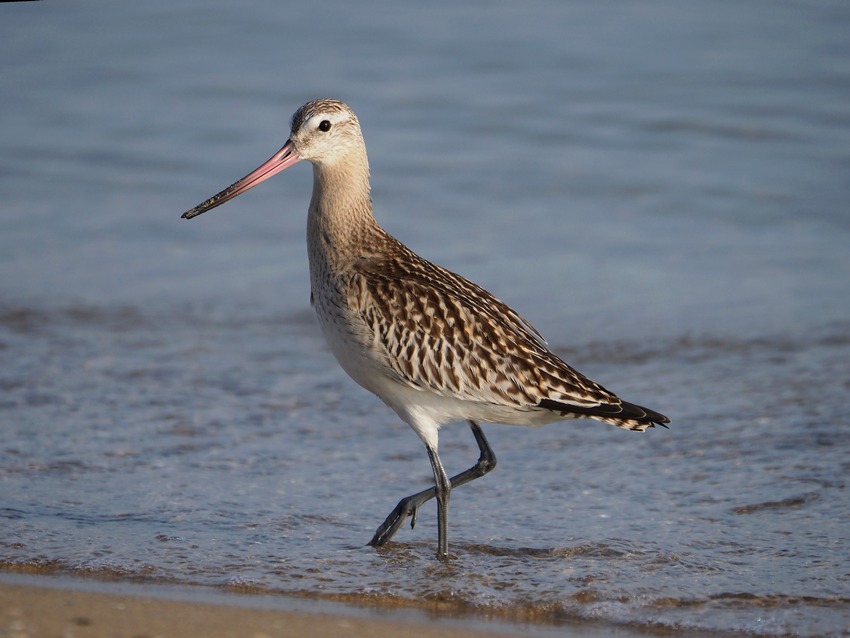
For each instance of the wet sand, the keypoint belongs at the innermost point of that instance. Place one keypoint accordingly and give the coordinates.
(46, 606)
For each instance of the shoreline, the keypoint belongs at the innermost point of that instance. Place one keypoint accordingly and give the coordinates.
(41, 605)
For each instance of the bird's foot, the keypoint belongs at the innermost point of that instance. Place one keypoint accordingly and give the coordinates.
(406, 507)
(392, 524)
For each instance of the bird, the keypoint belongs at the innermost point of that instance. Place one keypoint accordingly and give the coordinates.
(432, 345)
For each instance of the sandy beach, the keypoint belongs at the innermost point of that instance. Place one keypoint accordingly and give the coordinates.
(34, 610)
(33, 606)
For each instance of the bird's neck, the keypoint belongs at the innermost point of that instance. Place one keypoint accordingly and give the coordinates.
(340, 218)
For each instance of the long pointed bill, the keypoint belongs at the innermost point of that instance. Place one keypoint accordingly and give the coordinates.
(284, 158)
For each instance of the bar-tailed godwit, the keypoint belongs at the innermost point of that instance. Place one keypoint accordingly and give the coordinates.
(434, 346)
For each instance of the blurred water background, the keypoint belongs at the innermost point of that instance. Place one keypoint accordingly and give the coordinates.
(660, 187)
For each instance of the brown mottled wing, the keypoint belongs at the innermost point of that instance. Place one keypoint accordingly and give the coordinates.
(444, 333)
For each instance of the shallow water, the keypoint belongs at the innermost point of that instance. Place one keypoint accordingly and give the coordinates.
(660, 189)
(211, 450)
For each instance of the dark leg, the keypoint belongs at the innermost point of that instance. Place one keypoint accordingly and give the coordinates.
(443, 490)
(409, 506)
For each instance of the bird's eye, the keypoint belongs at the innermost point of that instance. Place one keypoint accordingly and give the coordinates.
(324, 126)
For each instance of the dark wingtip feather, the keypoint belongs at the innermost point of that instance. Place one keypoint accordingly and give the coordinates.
(609, 412)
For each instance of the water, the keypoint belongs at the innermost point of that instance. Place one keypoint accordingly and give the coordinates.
(660, 188)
